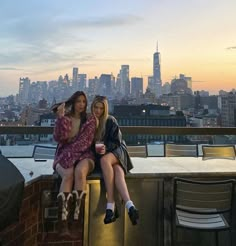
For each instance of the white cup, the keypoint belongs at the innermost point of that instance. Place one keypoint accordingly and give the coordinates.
(99, 146)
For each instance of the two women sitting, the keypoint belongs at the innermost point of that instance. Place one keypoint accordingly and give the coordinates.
(76, 133)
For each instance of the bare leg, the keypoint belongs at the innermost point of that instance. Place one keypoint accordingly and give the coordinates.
(114, 176)
(67, 178)
(82, 169)
(64, 198)
(123, 190)
(121, 183)
(107, 162)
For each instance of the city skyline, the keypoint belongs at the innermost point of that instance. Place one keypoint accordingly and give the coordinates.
(42, 40)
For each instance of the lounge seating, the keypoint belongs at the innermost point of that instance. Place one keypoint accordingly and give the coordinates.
(202, 205)
(43, 153)
(216, 151)
(173, 150)
(137, 151)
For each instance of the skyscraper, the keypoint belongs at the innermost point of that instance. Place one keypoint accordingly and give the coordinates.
(82, 81)
(157, 84)
(188, 79)
(228, 111)
(136, 86)
(124, 80)
(105, 84)
(75, 78)
(24, 86)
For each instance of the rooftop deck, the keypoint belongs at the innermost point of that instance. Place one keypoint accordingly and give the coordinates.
(157, 167)
(150, 186)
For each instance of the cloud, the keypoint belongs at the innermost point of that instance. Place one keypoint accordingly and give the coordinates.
(109, 21)
(10, 68)
(122, 59)
(199, 81)
(39, 36)
(45, 53)
(44, 39)
(39, 28)
(231, 48)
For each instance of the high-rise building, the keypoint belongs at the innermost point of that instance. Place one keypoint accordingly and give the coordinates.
(37, 91)
(180, 86)
(228, 111)
(118, 84)
(67, 80)
(150, 84)
(187, 79)
(113, 84)
(136, 86)
(157, 84)
(105, 84)
(124, 80)
(148, 115)
(82, 81)
(24, 86)
(93, 85)
(75, 78)
(166, 88)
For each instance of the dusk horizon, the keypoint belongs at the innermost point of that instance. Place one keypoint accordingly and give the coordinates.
(43, 40)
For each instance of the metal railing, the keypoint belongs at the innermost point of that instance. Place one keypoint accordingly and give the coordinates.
(153, 130)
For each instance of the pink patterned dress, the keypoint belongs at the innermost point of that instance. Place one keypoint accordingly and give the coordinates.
(71, 152)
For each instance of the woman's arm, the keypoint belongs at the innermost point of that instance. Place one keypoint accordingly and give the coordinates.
(81, 143)
(62, 129)
(113, 136)
(85, 137)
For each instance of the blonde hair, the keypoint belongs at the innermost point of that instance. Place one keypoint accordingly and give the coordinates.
(100, 132)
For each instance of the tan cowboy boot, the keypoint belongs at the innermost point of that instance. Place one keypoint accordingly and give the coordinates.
(77, 211)
(64, 203)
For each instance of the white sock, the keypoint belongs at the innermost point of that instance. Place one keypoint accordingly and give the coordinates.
(111, 206)
(129, 204)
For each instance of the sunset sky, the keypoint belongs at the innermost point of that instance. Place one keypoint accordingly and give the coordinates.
(42, 39)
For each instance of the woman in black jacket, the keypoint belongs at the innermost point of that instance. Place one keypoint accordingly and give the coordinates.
(114, 160)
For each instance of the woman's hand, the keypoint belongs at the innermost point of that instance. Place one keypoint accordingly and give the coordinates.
(103, 150)
(61, 110)
(100, 148)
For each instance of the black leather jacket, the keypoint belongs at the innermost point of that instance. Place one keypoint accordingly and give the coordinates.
(115, 144)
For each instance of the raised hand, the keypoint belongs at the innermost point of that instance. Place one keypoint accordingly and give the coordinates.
(61, 110)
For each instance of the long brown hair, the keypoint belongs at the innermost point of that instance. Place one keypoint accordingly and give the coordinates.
(70, 106)
(103, 119)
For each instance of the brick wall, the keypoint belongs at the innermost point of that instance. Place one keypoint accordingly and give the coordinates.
(32, 229)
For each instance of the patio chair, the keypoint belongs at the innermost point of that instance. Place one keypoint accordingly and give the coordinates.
(217, 151)
(172, 150)
(137, 151)
(203, 206)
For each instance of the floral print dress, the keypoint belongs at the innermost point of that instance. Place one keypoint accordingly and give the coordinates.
(71, 151)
